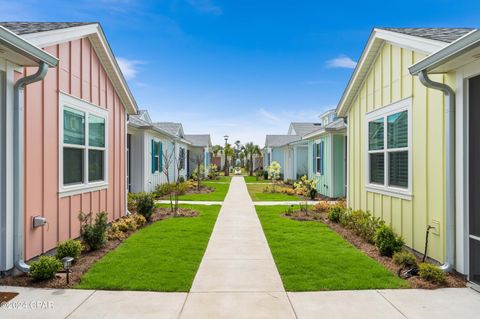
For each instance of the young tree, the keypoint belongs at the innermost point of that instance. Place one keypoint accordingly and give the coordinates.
(274, 173)
(168, 157)
(199, 158)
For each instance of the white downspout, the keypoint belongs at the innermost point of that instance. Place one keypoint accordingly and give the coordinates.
(18, 164)
(449, 165)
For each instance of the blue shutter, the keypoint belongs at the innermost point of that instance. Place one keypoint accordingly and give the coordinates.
(153, 156)
(314, 152)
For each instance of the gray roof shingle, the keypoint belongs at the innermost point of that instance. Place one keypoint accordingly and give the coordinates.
(280, 140)
(20, 28)
(202, 140)
(440, 34)
(303, 129)
(170, 127)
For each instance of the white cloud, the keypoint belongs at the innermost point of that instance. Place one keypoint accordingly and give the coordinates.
(205, 6)
(341, 61)
(269, 115)
(129, 67)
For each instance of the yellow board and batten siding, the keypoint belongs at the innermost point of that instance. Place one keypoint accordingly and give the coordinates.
(389, 81)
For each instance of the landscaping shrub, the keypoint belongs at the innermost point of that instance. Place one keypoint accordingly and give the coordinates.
(45, 268)
(260, 173)
(119, 228)
(306, 187)
(139, 219)
(213, 172)
(387, 242)
(431, 273)
(132, 202)
(165, 189)
(145, 205)
(286, 190)
(265, 174)
(405, 259)
(335, 212)
(321, 207)
(94, 233)
(69, 248)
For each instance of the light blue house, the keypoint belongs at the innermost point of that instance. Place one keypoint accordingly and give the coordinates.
(289, 150)
(327, 154)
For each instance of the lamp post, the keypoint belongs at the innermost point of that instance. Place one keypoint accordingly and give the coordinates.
(225, 154)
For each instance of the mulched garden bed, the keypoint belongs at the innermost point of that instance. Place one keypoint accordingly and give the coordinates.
(88, 258)
(453, 280)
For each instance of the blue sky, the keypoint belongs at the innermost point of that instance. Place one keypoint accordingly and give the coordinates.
(246, 68)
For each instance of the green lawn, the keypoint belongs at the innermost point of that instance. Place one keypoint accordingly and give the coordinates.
(253, 179)
(164, 256)
(222, 179)
(219, 193)
(257, 194)
(312, 257)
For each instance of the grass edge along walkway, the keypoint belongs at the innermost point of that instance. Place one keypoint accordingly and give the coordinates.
(163, 256)
(256, 193)
(219, 192)
(312, 257)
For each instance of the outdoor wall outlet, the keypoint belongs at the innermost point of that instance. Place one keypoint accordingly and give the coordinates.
(436, 227)
(39, 221)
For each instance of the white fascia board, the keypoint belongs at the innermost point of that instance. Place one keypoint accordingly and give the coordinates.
(100, 44)
(375, 41)
(314, 134)
(418, 44)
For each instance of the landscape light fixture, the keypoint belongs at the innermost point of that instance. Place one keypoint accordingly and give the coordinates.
(67, 266)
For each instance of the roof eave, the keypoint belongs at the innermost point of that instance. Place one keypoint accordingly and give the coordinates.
(102, 48)
(375, 41)
(454, 50)
(20, 46)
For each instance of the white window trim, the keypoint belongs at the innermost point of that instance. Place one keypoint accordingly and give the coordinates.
(384, 112)
(317, 158)
(66, 100)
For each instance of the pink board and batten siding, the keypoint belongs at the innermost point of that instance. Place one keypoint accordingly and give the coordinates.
(79, 74)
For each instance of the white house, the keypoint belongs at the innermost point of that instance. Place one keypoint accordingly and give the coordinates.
(153, 153)
(200, 149)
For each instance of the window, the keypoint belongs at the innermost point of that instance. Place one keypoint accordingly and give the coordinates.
(388, 161)
(181, 157)
(318, 157)
(157, 149)
(82, 146)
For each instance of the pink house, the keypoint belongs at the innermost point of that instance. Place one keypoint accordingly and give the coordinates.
(74, 139)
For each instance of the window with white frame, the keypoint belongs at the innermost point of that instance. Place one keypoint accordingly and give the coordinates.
(83, 144)
(182, 157)
(389, 148)
(319, 157)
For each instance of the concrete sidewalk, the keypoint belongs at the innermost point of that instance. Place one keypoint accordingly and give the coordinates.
(238, 278)
(237, 274)
(457, 303)
(190, 202)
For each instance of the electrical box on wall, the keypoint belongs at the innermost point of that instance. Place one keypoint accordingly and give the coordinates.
(38, 221)
(436, 227)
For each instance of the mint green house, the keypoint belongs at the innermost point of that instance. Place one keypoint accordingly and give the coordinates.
(327, 155)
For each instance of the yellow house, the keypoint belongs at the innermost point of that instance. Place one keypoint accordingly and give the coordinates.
(459, 62)
(399, 155)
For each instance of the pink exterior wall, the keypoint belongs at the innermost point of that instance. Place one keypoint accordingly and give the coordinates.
(80, 74)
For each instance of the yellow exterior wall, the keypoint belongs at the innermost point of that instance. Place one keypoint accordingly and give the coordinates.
(387, 82)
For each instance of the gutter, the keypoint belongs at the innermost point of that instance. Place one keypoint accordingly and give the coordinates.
(449, 167)
(18, 165)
